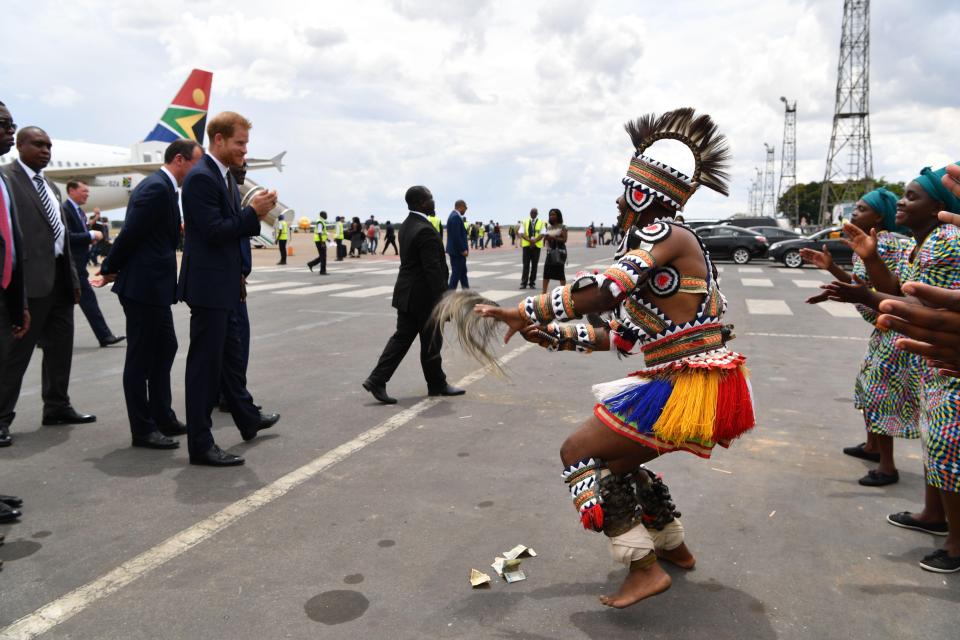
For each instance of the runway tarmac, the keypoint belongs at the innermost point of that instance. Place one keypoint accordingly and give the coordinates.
(356, 520)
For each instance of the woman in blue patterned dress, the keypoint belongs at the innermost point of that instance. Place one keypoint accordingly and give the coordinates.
(885, 391)
(935, 260)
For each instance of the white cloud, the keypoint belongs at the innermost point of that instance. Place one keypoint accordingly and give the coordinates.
(61, 96)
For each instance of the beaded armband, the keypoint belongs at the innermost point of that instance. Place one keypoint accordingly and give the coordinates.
(569, 337)
(558, 304)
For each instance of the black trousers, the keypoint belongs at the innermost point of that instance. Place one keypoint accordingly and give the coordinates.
(151, 349)
(458, 272)
(321, 258)
(531, 256)
(410, 324)
(341, 250)
(390, 241)
(283, 251)
(90, 307)
(51, 327)
(233, 376)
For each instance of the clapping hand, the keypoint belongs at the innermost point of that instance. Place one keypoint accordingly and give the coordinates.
(819, 259)
(863, 245)
(933, 327)
(856, 292)
(263, 203)
(951, 180)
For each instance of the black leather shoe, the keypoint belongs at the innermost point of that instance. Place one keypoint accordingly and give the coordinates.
(379, 392)
(68, 416)
(11, 501)
(5, 439)
(175, 429)
(216, 457)
(267, 420)
(156, 440)
(447, 390)
(8, 514)
(112, 339)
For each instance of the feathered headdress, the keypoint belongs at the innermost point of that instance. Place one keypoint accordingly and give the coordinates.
(647, 178)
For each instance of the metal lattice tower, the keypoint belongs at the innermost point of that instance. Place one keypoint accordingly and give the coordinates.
(768, 206)
(849, 170)
(788, 163)
(756, 199)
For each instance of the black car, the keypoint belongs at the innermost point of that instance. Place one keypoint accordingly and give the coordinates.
(726, 241)
(788, 251)
(747, 222)
(776, 234)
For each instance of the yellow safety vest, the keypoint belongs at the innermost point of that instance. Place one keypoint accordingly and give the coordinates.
(282, 230)
(339, 231)
(532, 228)
(482, 231)
(320, 232)
(435, 221)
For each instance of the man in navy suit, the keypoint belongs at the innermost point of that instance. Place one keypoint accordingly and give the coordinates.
(457, 247)
(211, 274)
(81, 239)
(143, 263)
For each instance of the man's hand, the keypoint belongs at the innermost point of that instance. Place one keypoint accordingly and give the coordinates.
(101, 280)
(263, 203)
(243, 288)
(933, 330)
(95, 236)
(19, 332)
(862, 244)
(819, 259)
(465, 252)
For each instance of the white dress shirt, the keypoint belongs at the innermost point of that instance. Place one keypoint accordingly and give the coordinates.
(223, 168)
(173, 180)
(58, 243)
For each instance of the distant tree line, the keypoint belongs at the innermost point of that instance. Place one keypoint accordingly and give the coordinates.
(808, 196)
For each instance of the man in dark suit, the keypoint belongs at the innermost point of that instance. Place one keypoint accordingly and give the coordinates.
(82, 238)
(143, 263)
(421, 282)
(457, 247)
(211, 278)
(51, 284)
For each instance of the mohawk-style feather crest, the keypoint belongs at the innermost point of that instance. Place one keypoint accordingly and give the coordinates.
(710, 151)
(475, 332)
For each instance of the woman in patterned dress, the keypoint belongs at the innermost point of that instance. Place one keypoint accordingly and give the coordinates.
(886, 387)
(934, 260)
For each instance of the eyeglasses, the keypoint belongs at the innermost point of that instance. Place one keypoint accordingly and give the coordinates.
(6, 125)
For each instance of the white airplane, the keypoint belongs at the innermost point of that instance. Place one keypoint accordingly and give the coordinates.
(113, 172)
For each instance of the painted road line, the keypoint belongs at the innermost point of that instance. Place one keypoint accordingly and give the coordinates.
(270, 286)
(839, 309)
(366, 292)
(385, 272)
(768, 307)
(498, 263)
(808, 284)
(62, 609)
(509, 276)
(756, 282)
(750, 270)
(481, 274)
(803, 336)
(320, 288)
(500, 294)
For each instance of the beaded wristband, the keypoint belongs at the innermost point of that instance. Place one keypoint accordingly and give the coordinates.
(536, 309)
(561, 302)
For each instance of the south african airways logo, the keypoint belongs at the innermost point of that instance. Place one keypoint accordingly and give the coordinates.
(186, 116)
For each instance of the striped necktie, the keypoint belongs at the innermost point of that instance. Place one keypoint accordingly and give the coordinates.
(52, 216)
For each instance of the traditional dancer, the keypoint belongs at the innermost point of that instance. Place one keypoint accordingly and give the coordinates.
(935, 261)
(887, 386)
(660, 294)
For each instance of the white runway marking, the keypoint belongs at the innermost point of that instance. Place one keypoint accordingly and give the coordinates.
(500, 294)
(803, 336)
(839, 309)
(480, 274)
(509, 276)
(756, 282)
(808, 284)
(62, 609)
(320, 288)
(768, 307)
(385, 272)
(719, 269)
(749, 269)
(498, 263)
(269, 286)
(366, 292)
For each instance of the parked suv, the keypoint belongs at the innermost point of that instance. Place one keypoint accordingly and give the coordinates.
(726, 241)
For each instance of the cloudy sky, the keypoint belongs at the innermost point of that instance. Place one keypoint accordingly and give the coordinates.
(506, 104)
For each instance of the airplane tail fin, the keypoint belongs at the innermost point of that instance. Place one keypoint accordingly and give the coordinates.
(186, 117)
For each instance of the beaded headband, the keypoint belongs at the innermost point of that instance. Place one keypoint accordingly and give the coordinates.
(647, 178)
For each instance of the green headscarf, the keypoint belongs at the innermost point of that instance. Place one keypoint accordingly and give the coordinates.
(931, 183)
(884, 202)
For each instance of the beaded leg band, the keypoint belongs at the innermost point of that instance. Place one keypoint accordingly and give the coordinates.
(583, 478)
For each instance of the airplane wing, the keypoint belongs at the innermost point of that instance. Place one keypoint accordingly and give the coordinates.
(89, 173)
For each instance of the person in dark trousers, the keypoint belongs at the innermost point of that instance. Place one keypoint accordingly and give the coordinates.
(390, 239)
(143, 266)
(51, 284)
(457, 247)
(211, 276)
(531, 241)
(421, 282)
(320, 241)
(83, 242)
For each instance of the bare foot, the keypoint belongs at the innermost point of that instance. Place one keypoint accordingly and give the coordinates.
(679, 556)
(639, 584)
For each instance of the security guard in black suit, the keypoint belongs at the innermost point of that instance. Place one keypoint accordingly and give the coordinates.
(421, 282)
